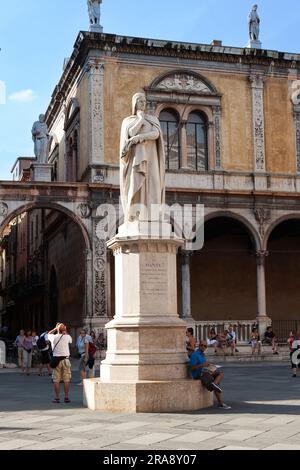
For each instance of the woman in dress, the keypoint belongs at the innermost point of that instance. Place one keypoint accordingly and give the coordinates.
(27, 345)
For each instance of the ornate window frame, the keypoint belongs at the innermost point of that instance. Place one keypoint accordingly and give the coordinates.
(185, 91)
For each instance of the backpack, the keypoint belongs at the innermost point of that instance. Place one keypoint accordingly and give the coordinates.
(92, 349)
(42, 343)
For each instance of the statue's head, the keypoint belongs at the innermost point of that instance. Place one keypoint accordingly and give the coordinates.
(139, 102)
(42, 117)
(254, 8)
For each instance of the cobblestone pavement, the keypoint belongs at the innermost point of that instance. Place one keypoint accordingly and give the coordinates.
(265, 414)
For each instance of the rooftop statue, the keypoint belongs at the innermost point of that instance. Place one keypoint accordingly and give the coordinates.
(40, 137)
(254, 23)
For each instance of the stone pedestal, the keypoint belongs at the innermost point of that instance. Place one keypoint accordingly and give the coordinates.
(146, 367)
(41, 172)
(97, 28)
(254, 45)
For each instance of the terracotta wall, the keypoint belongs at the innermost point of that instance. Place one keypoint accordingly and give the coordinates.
(279, 127)
(123, 80)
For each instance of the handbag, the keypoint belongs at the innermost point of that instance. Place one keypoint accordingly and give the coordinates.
(54, 362)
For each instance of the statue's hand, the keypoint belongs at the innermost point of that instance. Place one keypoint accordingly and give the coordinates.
(135, 140)
(140, 114)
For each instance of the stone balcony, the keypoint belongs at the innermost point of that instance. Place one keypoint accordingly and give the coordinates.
(226, 181)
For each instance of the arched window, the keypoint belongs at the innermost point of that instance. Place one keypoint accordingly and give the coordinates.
(197, 151)
(170, 128)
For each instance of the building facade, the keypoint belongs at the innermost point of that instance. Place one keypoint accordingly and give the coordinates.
(231, 124)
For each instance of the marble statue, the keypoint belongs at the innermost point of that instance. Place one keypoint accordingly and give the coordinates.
(40, 137)
(94, 12)
(254, 22)
(142, 162)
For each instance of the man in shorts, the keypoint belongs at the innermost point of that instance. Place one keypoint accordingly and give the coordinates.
(201, 368)
(60, 342)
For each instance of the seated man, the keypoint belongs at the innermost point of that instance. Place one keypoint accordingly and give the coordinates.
(270, 339)
(201, 370)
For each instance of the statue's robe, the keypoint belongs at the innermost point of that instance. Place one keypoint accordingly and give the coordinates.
(142, 171)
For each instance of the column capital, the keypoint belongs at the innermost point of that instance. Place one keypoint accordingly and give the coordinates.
(94, 65)
(257, 80)
(186, 256)
(261, 255)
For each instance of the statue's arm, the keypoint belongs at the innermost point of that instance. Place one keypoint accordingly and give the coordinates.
(136, 127)
(152, 135)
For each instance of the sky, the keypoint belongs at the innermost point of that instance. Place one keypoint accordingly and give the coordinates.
(36, 36)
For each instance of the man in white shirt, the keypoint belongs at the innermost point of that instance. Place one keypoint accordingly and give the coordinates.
(60, 342)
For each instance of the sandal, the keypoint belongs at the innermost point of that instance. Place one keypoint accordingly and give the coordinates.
(56, 400)
(67, 400)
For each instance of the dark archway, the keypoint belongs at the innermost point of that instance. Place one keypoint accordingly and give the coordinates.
(43, 277)
(283, 276)
(223, 273)
(53, 297)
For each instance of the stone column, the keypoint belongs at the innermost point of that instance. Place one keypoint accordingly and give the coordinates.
(183, 145)
(186, 284)
(297, 134)
(262, 319)
(217, 143)
(257, 85)
(95, 70)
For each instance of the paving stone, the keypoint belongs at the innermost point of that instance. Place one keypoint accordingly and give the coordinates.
(265, 414)
(238, 448)
(240, 434)
(14, 444)
(148, 439)
(283, 447)
(195, 437)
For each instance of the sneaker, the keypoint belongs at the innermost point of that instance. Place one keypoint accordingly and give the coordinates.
(276, 353)
(295, 376)
(216, 387)
(224, 407)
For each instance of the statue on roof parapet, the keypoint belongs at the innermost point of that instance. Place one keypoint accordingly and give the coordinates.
(94, 14)
(254, 28)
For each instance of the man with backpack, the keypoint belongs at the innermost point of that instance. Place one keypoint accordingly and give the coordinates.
(43, 345)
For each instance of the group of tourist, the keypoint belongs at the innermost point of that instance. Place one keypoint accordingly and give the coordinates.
(52, 348)
(33, 350)
(223, 341)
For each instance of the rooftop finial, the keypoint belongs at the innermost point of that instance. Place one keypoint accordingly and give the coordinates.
(94, 14)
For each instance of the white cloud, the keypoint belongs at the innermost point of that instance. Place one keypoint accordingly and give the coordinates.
(23, 96)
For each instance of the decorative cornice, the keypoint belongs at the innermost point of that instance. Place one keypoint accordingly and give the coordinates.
(111, 44)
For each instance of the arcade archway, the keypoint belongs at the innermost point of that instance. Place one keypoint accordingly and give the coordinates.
(43, 268)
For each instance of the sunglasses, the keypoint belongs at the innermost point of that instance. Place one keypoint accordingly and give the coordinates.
(203, 346)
